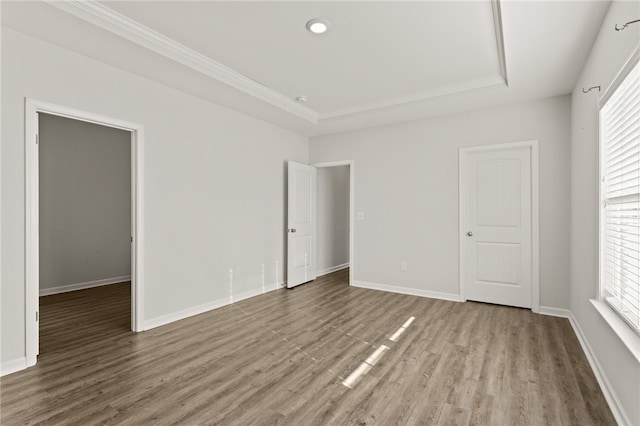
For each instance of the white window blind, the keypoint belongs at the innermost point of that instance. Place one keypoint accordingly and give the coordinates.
(620, 189)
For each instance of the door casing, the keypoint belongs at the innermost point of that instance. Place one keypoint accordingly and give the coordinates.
(462, 192)
(32, 219)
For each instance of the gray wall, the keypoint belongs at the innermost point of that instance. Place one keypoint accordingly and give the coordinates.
(406, 183)
(607, 56)
(214, 182)
(85, 202)
(333, 217)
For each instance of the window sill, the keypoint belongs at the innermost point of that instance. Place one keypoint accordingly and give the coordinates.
(629, 337)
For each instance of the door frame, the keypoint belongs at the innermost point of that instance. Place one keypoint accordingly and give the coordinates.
(352, 175)
(535, 254)
(32, 215)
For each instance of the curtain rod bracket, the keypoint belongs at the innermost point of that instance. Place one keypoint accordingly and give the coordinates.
(590, 89)
(626, 25)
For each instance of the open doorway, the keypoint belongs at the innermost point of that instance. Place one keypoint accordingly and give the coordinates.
(334, 206)
(83, 223)
(84, 231)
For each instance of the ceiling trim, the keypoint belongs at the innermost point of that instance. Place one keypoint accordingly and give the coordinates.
(108, 19)
(497, 25)
(416, 97)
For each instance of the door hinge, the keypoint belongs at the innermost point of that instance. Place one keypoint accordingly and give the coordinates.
(37, 138)
(37, 316)
(131, 239)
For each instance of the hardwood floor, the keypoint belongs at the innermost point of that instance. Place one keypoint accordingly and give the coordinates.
(284, 358)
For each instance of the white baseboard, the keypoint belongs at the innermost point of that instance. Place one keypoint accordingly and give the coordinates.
(209, 306)
(605, 386)
(555, 312)
(332, 269)
(13, 366)
(613, 401)
(407, 290)
(81, 286)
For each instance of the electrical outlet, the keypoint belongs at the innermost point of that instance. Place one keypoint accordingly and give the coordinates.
(403, 265)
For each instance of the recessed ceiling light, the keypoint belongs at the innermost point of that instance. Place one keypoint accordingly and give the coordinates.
(318, 26)
(301, 99)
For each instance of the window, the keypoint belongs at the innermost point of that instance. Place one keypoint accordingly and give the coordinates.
(620, 192)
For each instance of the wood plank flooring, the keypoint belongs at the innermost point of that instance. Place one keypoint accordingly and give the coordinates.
(283, 358)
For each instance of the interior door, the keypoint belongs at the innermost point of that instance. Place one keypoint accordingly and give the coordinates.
(301, 228)
(497, 226)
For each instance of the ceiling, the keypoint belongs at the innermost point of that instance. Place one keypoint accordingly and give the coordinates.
(373, 52)
(379, 63)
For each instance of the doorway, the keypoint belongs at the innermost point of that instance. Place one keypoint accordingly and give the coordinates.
(332, 207)
(336, 221)
(84, 230)
(135, 132)
(499, 224)
(302, 223)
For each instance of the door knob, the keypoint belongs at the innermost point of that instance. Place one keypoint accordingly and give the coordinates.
(470, 234)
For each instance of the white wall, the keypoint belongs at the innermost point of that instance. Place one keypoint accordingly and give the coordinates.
(607, 56)
(406, 183)
(85, 202)
(214, 181)
(333, 217)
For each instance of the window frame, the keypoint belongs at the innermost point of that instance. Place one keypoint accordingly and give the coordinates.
(632, 61)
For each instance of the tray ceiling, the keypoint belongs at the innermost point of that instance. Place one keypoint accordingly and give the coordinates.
(381, 62)
(375, 53)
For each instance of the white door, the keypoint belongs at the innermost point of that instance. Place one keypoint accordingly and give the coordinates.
(496, 226)
(301, 220)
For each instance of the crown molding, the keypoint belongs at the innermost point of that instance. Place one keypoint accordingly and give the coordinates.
(497, 25)
(416, 97)
(108, 19)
